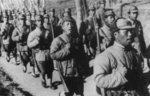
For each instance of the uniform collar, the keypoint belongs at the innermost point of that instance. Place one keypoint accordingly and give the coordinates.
(119, 46)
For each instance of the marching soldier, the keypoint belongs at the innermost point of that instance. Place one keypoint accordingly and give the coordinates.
(90, 33)
(32, 27)
(6, 32)
(54, 21)
(106, 32)
(29, 22)
(40, 40)
(65, 50)
(100, 7)
(33, 14)
(19, 36)
(138, 42)
(117, 70)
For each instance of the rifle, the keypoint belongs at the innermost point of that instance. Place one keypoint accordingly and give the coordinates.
(52, 29)
(62, 77)
(97, 35)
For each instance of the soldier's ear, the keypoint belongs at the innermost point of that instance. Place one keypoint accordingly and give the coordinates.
(116, 34)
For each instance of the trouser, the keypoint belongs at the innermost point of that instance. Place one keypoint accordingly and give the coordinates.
(7, 49)
(74, 85)
(24, 56)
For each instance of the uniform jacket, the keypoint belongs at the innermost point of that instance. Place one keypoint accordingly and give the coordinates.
(40, 43)
(66, 58)
(6, 32)
(106, 67)
(20, 35)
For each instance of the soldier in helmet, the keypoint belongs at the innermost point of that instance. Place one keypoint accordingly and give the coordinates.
(33, 14)
(106, 32)
(65, 50)
(6, 32)
(90, 32)
(54, 21)
(29, 22)
(100, 6)
(117, 70)
(40, 40)
(138, 40)
(19, 36)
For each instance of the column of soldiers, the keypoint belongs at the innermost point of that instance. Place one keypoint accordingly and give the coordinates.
(115, 45)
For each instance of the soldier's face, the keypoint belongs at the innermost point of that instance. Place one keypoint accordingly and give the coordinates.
(39, 23)
(92, 12)
(22, 21)
(133, 15)
(67, 27)
(46, 20)
(124, 37)
(110, 20)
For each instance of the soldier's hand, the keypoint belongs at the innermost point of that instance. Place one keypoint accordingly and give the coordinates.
(68, 45)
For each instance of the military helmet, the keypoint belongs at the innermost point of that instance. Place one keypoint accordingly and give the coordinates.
(133, 9)
(52, 10)
(67, 19)
(67, 10)
(109, 12)
(123, 23)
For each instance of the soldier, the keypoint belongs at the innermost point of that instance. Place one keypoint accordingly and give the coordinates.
(90, 33)
(29, 22)
(6, 32)
(33, 14)
(40, 40)
(32, 27)
(117, 70)
(100, 7)
(54, 21)
(64, 49)
(106, 32)
(138, 42)
(19, 36)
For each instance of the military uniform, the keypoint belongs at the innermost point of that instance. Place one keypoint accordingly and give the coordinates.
(138, 41)
(68, 60)
(6, 32)
(109, 77)
(117, 70)
(40, 43)
(54, 21)
(106, 34)
(20, 35)
(90, 33)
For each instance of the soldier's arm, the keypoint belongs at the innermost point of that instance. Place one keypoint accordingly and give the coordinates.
(102, 77)
(56, 53)
(32, 41)
(15, 36)
(2, 30)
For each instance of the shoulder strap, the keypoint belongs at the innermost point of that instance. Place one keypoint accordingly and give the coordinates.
(102, 31)
(60, 38)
